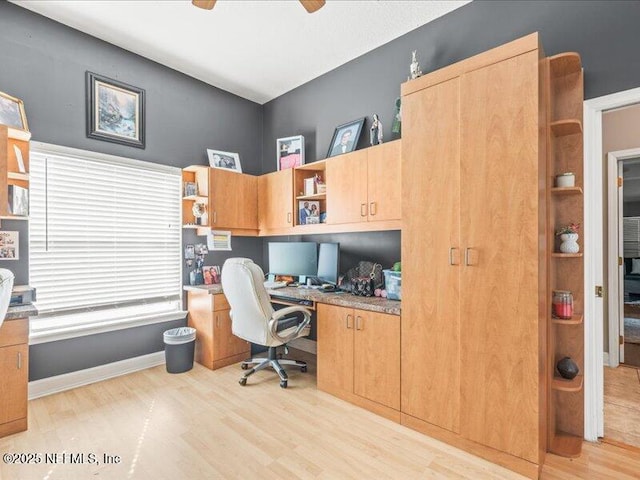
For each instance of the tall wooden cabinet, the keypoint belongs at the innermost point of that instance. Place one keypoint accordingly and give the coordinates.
(474, 266)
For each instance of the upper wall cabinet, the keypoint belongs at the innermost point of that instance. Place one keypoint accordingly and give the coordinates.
(14, 172)
(229, 200)
(233, 201)
(364, 186)
(275, 200)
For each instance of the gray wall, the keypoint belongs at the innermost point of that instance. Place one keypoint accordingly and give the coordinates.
(605, 34)
(44, 63)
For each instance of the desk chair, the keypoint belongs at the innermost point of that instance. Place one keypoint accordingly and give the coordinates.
(254, 319)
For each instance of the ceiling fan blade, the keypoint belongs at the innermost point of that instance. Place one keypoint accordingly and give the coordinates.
(205, 4)
(312, 5)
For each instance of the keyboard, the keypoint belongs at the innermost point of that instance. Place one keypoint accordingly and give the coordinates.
(273, 285)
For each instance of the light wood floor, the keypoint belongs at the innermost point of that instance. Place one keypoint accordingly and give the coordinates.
(622, 405)
(203, 425)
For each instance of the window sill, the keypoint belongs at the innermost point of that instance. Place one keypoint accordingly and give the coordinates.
(75, 331)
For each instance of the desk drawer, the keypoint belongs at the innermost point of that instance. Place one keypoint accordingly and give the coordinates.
(14, 332)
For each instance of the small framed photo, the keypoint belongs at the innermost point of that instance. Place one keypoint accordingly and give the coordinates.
(308, 212)
(224, 160)
(9, 243)
(290, 152)
(189, 252)
(345, 138)
(115, 111)
(190, 189)
(12, 112)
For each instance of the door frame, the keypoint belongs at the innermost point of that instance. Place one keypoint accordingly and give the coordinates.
(614, 235)
(593, 255)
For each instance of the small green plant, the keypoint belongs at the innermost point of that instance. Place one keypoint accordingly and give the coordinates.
(571, 228)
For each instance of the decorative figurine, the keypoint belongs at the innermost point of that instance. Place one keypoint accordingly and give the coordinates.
(415, 67)
(375, 134)
(397, 118)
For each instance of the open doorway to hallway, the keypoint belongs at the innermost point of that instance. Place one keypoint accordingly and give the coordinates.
(621, 151)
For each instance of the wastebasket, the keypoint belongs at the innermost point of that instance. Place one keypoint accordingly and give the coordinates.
(179, 349)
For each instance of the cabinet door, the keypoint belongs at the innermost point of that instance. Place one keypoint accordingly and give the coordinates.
(431, 256)
(335, 348)
(384, 169)
(376, 357)
(347, 188)
(14, 365)
(275, 200)
(233, 200)
(499, 226)
(201, 318)
(225, 343)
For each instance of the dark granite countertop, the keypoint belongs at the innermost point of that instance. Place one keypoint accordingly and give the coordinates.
(21, 311)
(373, 304)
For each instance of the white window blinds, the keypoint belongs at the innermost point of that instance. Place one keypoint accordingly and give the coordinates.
(104, 233)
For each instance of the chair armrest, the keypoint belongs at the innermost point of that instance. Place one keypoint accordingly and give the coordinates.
(278, 314)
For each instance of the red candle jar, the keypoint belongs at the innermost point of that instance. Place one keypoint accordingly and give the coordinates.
(562, 304)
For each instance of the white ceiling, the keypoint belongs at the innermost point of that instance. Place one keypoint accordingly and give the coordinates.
(256, 49)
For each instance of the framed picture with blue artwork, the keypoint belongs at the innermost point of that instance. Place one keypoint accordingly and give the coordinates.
(115, 111)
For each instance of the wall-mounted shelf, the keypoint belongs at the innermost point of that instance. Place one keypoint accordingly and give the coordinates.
(577, 319)
(562, 128)
(565, 64)
(565, 385)
(566, 445)
(196, 198)
(18, 176)
(316, 196)
(566, 191)
(567, 255)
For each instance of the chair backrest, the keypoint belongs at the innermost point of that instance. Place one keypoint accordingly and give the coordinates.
(243, 285)
(6, 286)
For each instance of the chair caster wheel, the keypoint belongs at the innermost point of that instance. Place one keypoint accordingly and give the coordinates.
(303, 369)
(244, 366)
(242, 381)
(283, 383)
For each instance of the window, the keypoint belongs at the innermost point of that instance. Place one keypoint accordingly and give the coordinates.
(104, 240)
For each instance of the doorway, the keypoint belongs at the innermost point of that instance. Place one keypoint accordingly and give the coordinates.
(612, 391)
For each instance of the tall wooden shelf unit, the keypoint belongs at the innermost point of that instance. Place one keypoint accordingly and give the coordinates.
(565, 271)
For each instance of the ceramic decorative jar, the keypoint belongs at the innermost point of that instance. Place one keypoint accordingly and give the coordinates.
(569, 243)
(567, 179)
(567, 368)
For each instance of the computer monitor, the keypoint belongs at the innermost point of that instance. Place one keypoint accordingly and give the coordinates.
(293, 258)
(329, 263)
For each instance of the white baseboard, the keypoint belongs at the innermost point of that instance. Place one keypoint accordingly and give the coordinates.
(67, 381)
(605, 359)
(304, 344)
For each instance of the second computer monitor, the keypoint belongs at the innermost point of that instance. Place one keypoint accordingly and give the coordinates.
(329, 263)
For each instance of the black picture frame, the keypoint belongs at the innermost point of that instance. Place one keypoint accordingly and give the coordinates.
(352, 126)
(111, 126)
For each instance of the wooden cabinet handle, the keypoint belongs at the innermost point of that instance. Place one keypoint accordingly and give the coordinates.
(363, 209)
(359, 323)
(19, 360)
(349, 316)
(467, 256)
(218, 321)
(372, 208)
(451, 262)
(288, 217)
(215, 218)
